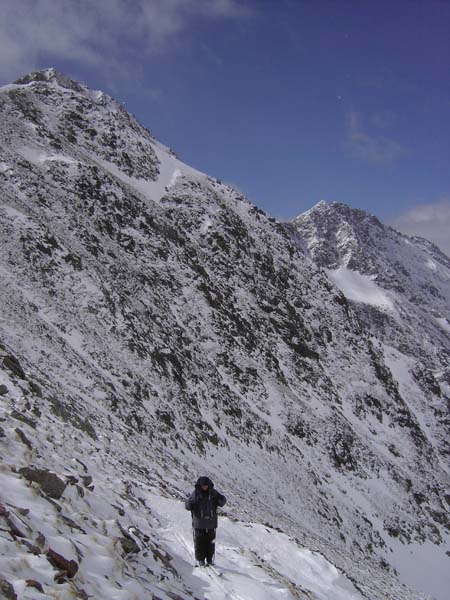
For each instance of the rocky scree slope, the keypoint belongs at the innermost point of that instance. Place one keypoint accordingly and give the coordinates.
(180, 330)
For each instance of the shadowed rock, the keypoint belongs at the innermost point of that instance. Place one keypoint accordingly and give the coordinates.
(50, 483)
(12, 364)
(7, 590)
(70, 567)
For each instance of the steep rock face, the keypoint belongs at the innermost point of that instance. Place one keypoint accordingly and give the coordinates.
(180, 330)
(400, 288)
(410, 270)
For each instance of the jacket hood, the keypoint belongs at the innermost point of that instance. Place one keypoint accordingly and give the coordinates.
(204, 481)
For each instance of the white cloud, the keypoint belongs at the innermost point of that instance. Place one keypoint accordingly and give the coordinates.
(98, 34)
(431, 221)
(372, 148)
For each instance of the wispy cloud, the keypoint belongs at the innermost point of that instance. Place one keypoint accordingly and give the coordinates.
(370, 147)
(431, 221)
(99, 34)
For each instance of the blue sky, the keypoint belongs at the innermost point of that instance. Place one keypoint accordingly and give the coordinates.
(292, 101)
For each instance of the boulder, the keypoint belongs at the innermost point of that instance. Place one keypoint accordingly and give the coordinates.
(12, 364)
(50, 483)
(7, 590)
(70, 567)
(129, 546)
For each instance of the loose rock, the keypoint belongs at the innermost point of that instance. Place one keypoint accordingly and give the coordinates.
(12, 364)
(70, 567)
(7, 590)
(35, 584)
(50, 483)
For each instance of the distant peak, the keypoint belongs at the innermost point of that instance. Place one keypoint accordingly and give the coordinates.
(50, 75)
(332, 205)
(321, 204)
(340, 210)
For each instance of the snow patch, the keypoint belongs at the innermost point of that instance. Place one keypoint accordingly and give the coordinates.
(205, 226)
(37, 157)
(171, 170)
(175, 175)
(360, 288)
(97, 95)
(443, 323)
(417, 563)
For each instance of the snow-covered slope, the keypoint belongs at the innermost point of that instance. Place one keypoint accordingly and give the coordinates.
(400, 288)
(110, 537)
(156, 326)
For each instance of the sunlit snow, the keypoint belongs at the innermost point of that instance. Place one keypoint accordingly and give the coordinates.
(443, 323)
(360, 288)
(171, 169)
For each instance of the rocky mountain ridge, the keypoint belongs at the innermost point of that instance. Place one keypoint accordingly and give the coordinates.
(176, 329)
(404, 284)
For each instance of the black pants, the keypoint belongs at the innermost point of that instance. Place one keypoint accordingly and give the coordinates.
(204, 544)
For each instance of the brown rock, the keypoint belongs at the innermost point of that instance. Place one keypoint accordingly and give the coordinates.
(7, 590)
(70, 567)
(35, 584)
(32, 548)
(50, 483)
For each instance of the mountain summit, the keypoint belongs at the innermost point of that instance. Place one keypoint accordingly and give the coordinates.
(404, 282)
(155, 326)
(51, 75)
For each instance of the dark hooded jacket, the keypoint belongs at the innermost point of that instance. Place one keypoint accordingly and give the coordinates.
(203, 505)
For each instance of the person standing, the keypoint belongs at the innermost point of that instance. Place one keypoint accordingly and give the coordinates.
(203, 504)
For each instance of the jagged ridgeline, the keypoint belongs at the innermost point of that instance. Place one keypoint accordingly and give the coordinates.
(170, 326)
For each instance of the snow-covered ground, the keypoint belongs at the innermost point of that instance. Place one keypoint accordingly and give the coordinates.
(254, 562)
(90, 521)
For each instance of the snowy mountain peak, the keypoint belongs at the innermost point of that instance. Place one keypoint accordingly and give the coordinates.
(339, 214)
(400, 287)
(157, 326)
(50, 75)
